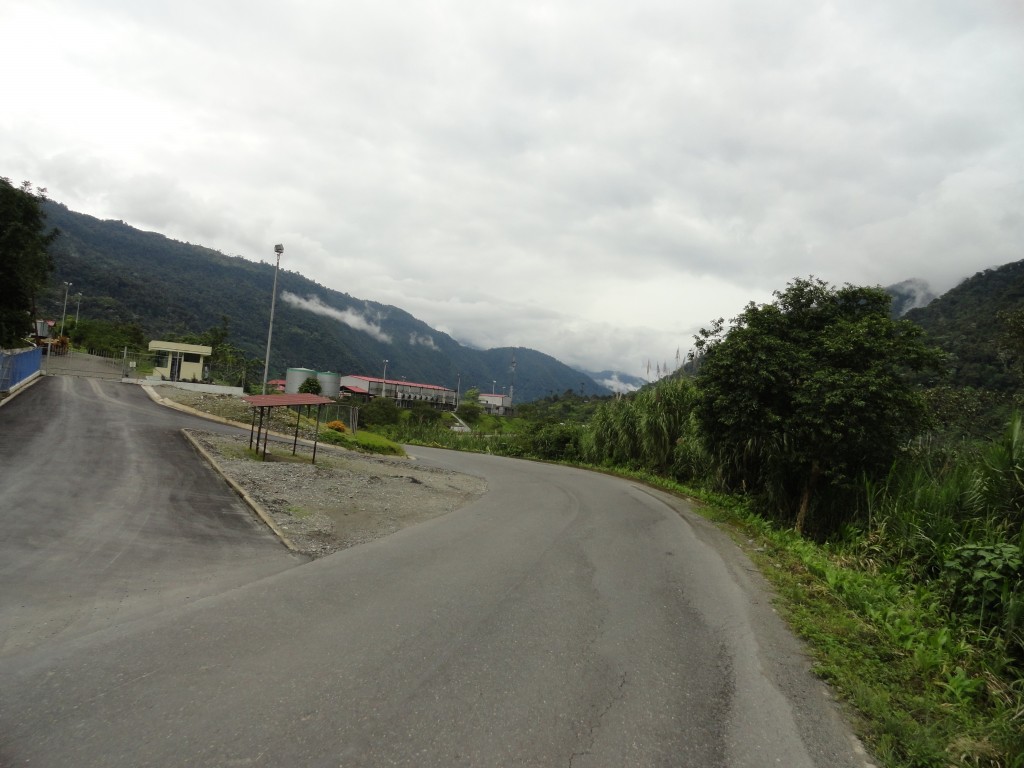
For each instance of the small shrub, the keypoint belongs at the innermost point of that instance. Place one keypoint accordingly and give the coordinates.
(310, 386)
(337, 426)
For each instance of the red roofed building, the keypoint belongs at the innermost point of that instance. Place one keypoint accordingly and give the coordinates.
(404, 393)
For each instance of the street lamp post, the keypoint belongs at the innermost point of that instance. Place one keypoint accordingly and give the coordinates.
(384, 381)
(278, 249)
(78, 309)
(63, 317)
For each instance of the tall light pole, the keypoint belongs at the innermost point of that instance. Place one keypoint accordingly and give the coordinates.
(384, 381)
(278, 249)
(78, 309)
(63, 317)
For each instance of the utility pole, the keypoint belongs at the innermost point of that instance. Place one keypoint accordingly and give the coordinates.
(278, 249)
(63, 317)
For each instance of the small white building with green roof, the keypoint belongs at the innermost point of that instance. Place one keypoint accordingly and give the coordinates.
(174, 361)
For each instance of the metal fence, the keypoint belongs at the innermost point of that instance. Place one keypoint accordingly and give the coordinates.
(100, 365)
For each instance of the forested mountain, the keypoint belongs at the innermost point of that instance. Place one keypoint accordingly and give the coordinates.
(979, 324)
(171, 288)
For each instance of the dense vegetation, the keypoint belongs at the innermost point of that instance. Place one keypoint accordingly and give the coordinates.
(805, 396)
(973, 324)
(25, 262)
(911, 587)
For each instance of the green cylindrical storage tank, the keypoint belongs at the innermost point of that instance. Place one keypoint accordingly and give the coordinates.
(295, 377)
(330, 383)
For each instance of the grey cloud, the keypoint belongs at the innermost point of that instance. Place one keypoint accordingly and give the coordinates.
(523, 157)
(423, 340)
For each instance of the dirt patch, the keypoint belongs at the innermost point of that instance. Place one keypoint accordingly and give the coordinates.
(344, 499)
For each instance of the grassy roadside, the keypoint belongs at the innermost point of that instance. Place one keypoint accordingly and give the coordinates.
(933, 666)
(926, 690)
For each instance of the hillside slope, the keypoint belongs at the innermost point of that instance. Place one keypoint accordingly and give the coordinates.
(965, 322)
(169, 287)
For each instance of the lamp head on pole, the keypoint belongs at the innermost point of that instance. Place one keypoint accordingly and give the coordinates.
(278, 249)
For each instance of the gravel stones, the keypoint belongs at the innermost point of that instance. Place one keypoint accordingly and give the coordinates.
(343, 500)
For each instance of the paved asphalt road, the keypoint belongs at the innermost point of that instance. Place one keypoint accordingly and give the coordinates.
(565, 618)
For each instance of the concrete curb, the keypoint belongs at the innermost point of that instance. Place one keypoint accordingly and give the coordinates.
(254, 505)
(160, 400)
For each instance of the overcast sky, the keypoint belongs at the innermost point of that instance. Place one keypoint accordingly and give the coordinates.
(594, 179)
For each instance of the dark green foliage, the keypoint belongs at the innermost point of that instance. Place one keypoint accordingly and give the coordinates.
(978, 324)
(568, 406)
(106, 338)
(379, 412)
(553, 442)
(959, 413)
(25, 263)
(422, 414)
(310, 386)
(956, 520)
(650, 430)
(470, 409)
(803, 396)
(985, 580)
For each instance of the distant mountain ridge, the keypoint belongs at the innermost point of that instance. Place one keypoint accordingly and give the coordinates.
(965, 323)
(169, 287)
(909, 294)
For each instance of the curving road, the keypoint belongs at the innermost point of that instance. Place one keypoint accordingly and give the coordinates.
(565, 618)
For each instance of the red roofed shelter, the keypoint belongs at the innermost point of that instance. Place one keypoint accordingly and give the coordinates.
(265, 403)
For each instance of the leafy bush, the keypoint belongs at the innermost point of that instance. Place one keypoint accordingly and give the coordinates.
(311, 386)
(337, 426)
(363, 441)
(379, 412)
(986, 584)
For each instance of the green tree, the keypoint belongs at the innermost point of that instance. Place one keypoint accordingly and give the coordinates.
(311, 386)
(1011, 339)
(379, 412)
(801, 398)
(25, 262)
(423, 414)
(470, 409)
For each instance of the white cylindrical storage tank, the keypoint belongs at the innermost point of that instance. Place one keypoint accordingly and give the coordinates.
(295, 378)
(330, 383)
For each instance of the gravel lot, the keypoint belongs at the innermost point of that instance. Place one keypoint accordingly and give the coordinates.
(345, 499)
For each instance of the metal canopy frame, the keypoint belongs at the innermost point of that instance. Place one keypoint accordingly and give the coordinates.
(265, 405)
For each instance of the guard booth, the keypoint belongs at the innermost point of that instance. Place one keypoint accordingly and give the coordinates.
(179, 362)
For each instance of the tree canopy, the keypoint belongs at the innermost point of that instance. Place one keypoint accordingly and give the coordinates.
(802, 397)
(25, 262)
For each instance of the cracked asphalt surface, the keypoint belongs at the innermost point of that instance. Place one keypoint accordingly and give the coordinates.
(564, 618)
